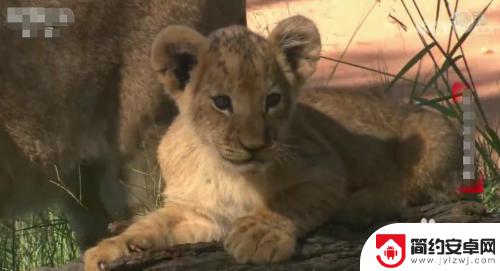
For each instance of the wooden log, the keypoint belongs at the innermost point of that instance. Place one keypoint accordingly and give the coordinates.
(332, 247)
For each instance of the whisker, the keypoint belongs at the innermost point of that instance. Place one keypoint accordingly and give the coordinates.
(285, 153)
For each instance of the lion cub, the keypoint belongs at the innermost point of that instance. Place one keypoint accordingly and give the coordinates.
(250, 162)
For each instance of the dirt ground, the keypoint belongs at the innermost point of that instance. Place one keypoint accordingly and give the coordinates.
(384, 44)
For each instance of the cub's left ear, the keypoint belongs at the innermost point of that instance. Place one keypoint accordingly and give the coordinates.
(299, 40)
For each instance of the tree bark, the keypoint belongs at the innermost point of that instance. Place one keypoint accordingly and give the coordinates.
(332, 247)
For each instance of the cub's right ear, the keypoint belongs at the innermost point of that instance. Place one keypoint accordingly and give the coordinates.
(174, 54)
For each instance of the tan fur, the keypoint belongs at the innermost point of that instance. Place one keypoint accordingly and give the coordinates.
(260, 179)
(72, 107)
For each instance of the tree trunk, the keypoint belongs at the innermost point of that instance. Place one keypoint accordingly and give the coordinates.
(332, 247)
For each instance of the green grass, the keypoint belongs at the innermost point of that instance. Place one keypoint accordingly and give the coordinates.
(455, 62)
(42, 239)
(45, 239)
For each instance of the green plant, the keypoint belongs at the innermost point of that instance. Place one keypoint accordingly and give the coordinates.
(487, 140)
(41, 239)
(45, 239)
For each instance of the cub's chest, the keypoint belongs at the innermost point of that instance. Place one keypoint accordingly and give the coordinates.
(214, 191)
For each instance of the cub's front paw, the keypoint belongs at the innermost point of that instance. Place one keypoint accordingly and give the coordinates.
(254, 240)
(112, 249)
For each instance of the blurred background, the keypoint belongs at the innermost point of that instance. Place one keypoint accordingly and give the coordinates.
(411, 51)
(379, 35)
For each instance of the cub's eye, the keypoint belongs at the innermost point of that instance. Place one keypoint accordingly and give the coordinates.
(272, 100)
(222, 102)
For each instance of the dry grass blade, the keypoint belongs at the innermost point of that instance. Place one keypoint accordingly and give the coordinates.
(332, 73)
(371, 70)
(455, 48)
(414, 60)
(434, 61)
(467, 68)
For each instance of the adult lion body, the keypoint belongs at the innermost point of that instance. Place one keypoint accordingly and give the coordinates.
(72, 107)
(250, 162)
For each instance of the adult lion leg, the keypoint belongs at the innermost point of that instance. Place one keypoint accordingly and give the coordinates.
(112, 192)
(95, 199)
(83, 205)
(165, 227)
(89, 223)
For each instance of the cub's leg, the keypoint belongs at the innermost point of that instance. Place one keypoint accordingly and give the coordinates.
(167, 226)
(430, 153)
(269, 234)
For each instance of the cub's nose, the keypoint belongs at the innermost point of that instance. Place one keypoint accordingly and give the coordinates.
(253, 135)
(253, 144)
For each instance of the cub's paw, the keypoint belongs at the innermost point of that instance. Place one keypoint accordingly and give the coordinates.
(254, 240)
(112, 249)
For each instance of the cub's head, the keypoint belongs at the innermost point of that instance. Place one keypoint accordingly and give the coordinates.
(237, 89)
